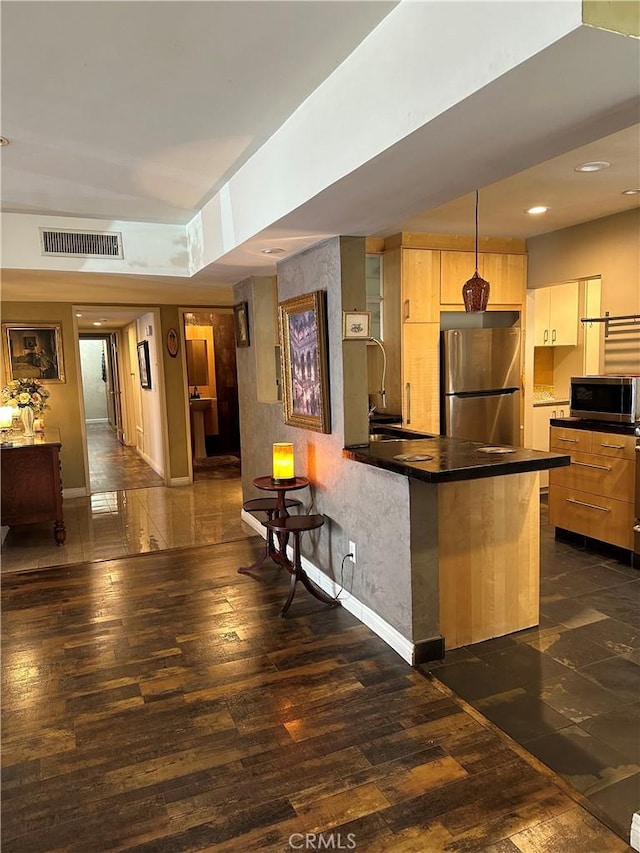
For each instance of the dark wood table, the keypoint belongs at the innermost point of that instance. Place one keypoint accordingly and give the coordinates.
(272, 552)
(31, 485)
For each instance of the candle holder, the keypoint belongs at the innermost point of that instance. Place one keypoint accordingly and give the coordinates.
(283, 463)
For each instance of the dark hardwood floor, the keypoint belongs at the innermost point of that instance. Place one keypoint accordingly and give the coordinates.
(157, 703)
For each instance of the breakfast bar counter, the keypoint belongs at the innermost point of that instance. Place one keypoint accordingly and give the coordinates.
(474, 527)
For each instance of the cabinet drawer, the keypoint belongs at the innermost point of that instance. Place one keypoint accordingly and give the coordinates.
(610, 444)
(592, 515)
(565, 440)
(599, 475)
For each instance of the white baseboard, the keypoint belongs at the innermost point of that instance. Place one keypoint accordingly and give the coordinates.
(151, 462)
(364, 614)
(79, 492)
(97, 420)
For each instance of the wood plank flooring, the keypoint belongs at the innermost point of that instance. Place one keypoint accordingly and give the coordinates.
(157, 703)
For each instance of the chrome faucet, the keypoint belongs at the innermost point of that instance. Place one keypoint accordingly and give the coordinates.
(382, 392)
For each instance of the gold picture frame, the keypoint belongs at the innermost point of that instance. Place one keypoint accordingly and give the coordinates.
(305, 368)
(33, 351)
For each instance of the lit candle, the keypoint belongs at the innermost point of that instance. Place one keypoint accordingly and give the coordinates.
(283, 469)
(6, 417)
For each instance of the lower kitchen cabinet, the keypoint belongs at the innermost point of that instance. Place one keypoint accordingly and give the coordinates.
(594, 495)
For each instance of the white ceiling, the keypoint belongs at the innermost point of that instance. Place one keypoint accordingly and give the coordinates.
(90, 136)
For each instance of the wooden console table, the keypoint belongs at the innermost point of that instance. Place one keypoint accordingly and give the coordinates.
(31, 486)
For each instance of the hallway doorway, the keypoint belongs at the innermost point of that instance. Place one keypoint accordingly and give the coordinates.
(112, 465)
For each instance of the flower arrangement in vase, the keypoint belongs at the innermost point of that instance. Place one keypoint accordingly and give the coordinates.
(29, 399)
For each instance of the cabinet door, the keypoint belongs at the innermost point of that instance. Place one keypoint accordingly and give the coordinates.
(542, 301)
(421, 377)
(563, 315)
(507, 275)
(456, 268)
(420, 286)
(541, 415)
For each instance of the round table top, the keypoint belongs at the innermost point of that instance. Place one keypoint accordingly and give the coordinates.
(296, 523)
(268, 485)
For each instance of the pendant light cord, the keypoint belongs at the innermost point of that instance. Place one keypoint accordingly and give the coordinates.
(476, 232)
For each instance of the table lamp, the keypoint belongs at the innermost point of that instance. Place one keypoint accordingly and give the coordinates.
(283, 462)
(6, 420)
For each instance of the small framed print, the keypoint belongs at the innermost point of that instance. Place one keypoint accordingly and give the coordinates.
(356, 325)
(241, 314)
(144, 367)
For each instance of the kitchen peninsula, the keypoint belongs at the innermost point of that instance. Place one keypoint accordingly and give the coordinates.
(474, 526)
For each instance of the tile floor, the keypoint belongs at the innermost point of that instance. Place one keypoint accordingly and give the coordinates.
(137, 516)
(569, 689)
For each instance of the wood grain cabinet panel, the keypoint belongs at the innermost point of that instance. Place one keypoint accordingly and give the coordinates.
(594, 495)
(506, 273)
(456, 268)
(420, 286)
(595, 516)
(421, 376)
(598, 475)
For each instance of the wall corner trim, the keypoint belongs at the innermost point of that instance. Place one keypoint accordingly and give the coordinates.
(364, 614)
(180, 481)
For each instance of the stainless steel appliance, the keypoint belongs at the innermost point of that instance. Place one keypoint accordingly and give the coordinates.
(613, 398)
(481, 384)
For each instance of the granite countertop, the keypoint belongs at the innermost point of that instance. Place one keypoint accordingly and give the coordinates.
(595, 426)
(450, 459)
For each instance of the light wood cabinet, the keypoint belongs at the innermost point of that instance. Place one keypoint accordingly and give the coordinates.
(506, 274)
(594, 495)
(421, 377)
(420, 271)
(556, 319)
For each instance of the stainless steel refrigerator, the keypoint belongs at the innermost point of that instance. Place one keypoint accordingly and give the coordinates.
(481, 384)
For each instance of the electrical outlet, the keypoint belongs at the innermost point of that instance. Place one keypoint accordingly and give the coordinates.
(352, 551)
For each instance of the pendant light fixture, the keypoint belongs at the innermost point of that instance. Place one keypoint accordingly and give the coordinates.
(475, 291)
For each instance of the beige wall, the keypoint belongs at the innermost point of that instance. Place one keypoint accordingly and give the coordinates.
(608, 247)
(620, 16)
(65, 412)
(64, 401)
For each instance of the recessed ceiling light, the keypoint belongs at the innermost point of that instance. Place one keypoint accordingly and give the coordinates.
(4, 141)
(97, 323)
(78, 315)
(631, 192)
(538, 209)
(272, 251)
(593, 166)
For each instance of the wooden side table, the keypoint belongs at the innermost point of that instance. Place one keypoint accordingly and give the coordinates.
(277, 554)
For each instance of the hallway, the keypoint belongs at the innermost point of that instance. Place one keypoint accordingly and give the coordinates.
(130, 511)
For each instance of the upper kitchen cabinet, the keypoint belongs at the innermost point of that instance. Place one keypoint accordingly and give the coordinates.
(420, 272)
(506, 274)
(556, 317)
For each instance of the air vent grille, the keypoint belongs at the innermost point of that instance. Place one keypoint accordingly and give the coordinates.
(81, 244)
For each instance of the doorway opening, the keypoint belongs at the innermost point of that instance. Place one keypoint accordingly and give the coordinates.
(112, 464)
(213, 393)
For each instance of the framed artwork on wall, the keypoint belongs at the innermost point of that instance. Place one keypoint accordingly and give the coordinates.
(144, 366)
(241, 315)
(305, 367)
(356, 325)
(33, 351)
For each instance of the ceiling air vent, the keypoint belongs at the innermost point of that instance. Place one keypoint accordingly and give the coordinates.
(81, 244)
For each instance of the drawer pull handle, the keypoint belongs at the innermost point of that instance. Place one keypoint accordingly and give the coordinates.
(614, 446)
(590, 506)
(572, 440)
(589, 465)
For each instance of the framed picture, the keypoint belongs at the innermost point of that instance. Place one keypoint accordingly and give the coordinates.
(305, 368)
(33, 351)
(241, 314)
(144, 366)
(356, 325)
(173, 343)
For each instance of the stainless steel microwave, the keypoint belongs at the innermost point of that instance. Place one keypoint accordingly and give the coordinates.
(606, 398)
